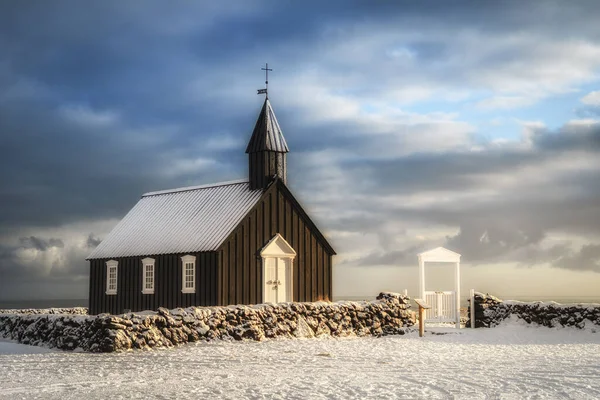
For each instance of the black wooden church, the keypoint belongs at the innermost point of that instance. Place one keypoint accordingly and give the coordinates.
(239, 242)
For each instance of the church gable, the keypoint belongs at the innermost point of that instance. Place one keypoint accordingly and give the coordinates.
(295, 205)
(240, 260)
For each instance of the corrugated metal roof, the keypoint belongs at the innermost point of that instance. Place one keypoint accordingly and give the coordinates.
(267, 133)
(181, 220)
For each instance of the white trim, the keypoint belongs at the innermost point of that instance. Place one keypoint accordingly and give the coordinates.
(439, 254)
(109, 266)
(289, 272)
(148, 262)
(278, 246)
(266, 286)
(188, 260)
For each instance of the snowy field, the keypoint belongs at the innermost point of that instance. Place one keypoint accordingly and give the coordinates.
(513, 361)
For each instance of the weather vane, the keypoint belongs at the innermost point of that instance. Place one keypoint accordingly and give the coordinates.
(266, 89)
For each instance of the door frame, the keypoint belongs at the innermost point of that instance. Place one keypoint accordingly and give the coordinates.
(278, 248)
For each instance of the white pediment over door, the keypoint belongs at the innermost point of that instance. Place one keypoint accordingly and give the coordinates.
(439, 254)
(278, 247)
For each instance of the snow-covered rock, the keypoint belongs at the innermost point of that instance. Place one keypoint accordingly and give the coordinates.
(490, 311)
(70, 310)
(388, 315)
(303, 330)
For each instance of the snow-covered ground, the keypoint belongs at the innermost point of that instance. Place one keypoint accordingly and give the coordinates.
(513, 361)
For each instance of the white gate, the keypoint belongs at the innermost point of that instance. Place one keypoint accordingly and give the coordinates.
(443, 306)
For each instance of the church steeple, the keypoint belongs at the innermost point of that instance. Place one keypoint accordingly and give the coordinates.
(266, 150)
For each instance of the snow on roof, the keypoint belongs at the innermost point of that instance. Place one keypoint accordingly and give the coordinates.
(183, 220)
(186, 188)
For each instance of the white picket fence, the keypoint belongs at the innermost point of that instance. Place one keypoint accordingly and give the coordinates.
(443, 306)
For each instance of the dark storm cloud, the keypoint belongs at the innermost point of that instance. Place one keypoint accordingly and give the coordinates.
(586, 259)
(108, 57)
(508, 227)
(585, 138)
(51, 168)
(47, 270)
(92, 241)
(57, 170)
(33, 242)
(464, 170)
(403, 257)
(103, 101)
(488, 242)
(10, 272)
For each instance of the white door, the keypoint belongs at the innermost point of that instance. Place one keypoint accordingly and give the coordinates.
(282, 281)
(277, 280)
(270, 287)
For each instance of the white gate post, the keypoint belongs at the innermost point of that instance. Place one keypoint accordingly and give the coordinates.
(457, 285)
(421, 278)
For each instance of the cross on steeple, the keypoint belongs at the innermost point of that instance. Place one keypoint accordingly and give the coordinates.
(266, 89)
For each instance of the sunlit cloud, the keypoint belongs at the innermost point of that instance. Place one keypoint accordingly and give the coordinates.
(592, 98)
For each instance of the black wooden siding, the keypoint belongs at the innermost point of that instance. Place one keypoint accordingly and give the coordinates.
(233, 273)
(167, 284)
(263, 166)
(240, 272)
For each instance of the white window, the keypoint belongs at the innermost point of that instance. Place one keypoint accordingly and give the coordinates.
(148, 276)
(111, 277)
(188, 274)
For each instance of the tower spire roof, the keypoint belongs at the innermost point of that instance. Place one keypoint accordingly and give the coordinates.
(267, 134)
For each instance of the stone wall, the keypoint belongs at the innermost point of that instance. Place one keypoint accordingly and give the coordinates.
(388, 315)
(70, 310)
(65, 332)
(490, 311)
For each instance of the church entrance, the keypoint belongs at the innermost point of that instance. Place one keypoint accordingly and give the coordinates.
(276, 285)
(278, 260)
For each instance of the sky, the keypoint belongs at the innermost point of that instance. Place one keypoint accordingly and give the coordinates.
(411, 125)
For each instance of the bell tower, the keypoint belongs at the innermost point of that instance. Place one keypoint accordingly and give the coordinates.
(266, 150)
(267, 147)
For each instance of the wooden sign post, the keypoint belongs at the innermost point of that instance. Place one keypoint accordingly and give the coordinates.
(422, 307)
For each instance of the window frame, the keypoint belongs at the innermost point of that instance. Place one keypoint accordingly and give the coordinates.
(189, 259)
(109, 266)
(148, 262)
